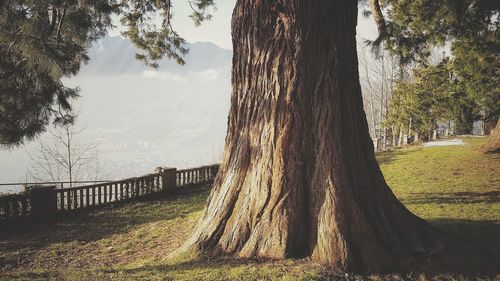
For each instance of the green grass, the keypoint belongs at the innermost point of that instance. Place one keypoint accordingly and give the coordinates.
(456, 188)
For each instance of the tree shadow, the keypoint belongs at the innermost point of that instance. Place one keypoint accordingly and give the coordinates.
(194, 269)
(99, 223)
(387, 157)
(474, 250)
(452, 198)
(198, 264)
(475, 254)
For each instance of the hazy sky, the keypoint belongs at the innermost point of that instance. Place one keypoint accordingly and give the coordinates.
(218, 30)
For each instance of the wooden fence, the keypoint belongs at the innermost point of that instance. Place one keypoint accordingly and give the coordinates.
(14, 205)
(43, 201)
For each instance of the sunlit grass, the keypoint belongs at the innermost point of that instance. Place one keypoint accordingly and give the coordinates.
(448, 182)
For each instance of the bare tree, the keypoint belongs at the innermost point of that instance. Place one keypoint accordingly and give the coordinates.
(368, 87)
(377, 74)
(62, 156)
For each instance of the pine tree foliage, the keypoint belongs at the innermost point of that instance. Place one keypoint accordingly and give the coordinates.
(43, 41)
(477, 65)
(433, 94)
(412, 28)
(159, 39)
(470, 30)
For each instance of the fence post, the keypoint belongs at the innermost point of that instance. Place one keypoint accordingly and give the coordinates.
(43, 200)
(215, 170)
(168, 177)
(434, 134)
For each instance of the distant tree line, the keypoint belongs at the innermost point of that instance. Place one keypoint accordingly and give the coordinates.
(459, 87)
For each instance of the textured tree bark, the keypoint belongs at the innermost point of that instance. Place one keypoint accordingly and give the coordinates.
(493, 145)
(378, 17)
(299, 177)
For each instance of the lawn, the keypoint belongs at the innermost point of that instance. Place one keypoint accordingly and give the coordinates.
(456, 188)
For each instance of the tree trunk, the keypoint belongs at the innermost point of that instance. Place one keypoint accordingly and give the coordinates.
(378, 17)
(384, 139)
(465, 121)
(409, 127)
(400, 138)
(374, 120)
(299, 176)
(493, 144)
(394, 138)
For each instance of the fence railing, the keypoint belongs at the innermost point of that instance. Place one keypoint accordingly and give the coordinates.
(44, 201)
(19, 186)
(99, 194)
(199, 175)
(14, 205)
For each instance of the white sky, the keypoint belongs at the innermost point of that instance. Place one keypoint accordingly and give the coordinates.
(218, 30)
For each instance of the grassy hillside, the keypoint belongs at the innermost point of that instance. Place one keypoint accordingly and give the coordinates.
(455, 188)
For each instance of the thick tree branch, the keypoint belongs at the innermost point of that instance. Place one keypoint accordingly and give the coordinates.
(379, 18)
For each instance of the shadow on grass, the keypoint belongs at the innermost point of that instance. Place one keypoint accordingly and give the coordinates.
(475, 255)
(197, 265)
(199, 269)
(475, 252)
(475, 246)
(387, 157)
(102, 222)
(452, 198)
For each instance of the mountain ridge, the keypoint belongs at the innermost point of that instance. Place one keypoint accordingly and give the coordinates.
(116, 55)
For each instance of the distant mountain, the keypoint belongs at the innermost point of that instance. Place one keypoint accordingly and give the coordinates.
(116, 55)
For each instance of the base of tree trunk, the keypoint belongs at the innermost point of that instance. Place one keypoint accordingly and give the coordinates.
(493, 145)
(299, 178)
(347, 241)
